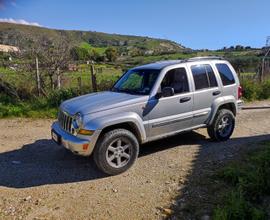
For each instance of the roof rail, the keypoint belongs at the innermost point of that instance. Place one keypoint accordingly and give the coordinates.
(204, 58)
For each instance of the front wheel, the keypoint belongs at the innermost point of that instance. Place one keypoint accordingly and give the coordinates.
(223, 126)
(116, 151)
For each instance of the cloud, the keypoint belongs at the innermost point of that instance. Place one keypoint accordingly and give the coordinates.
(19, 21)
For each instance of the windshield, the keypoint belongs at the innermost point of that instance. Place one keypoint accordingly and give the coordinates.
(137, 81)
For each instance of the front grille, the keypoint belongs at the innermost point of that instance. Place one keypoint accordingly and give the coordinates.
(65, 121)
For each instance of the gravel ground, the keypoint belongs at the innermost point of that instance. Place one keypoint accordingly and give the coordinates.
(40, 180)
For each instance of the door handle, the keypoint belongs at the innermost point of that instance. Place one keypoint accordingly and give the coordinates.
(186, 99)
(216, 93)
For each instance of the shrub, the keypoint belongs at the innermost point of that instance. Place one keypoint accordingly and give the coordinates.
(56, 97)
(265, 90)
(252, 90)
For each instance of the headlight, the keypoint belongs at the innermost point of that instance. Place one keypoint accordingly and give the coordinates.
(78, 121)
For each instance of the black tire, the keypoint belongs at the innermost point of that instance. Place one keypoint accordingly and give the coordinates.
(102, 153)
(215, 129)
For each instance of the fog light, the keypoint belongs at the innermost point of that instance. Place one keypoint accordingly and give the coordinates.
(86, 132)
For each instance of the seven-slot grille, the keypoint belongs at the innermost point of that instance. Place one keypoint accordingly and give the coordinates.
(65, 121)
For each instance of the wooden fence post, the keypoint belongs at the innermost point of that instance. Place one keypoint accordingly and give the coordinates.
(58, 79)
(80, 84)
(38, 77)
(93, 78)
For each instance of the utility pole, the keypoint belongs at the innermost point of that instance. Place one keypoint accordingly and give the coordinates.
(267, 48)
(38, 77)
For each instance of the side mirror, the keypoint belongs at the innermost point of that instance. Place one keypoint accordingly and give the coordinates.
(167, 91)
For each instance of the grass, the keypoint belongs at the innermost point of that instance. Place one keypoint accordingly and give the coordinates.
(42, 107)
(100, 50)
(106, 75)
(35, 107)
(249, 182)
(28, 110)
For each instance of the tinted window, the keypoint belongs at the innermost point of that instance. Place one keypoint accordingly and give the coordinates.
(204, 76)
(177, 79)
(211, 75)
(200, 77)
(225, 74)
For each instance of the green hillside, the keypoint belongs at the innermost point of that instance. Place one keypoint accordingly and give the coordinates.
(24, 36)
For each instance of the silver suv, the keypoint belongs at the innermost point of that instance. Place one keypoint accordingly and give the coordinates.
(147, 103)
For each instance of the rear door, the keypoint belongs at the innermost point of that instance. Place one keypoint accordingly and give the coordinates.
(206, 90)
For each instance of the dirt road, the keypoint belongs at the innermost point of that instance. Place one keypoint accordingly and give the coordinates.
(40, 180)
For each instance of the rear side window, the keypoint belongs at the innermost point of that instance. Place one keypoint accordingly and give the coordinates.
(204, 76)
(225, 73)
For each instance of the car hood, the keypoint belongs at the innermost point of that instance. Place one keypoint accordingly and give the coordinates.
(99, 101)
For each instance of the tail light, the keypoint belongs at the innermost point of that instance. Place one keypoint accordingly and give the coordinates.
(240, 92)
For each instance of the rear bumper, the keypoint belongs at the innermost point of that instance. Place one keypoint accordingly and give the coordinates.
(239, 104)
(78, 145)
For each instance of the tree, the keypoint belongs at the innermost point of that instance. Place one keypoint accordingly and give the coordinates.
(80, 53)
(111, 54)
(53, 57)
(95, 55)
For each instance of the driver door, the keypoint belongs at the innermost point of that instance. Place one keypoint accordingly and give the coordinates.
(174, 113)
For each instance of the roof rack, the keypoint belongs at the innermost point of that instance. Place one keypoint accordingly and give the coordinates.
(203, 58)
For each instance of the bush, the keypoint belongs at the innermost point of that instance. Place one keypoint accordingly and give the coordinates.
(251, 90)
(255, 90)
(265, 90)
(56, 97)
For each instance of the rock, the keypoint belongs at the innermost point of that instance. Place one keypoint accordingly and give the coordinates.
(171, 165)
(167, 211)
(37, 201)
(27, 198)
(115, 190)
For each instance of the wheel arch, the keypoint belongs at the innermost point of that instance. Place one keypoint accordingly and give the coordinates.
(228, 103)
(130, 126)
(126, 120)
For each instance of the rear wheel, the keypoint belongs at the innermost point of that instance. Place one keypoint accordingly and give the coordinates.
(223, 125)
(116, 151)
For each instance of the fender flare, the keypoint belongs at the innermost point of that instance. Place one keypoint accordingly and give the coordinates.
(103, 122)
(219, 102)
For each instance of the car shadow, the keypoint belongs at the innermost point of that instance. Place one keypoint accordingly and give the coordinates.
(43, 162)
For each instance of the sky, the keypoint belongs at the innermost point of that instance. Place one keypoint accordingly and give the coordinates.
(197, 24)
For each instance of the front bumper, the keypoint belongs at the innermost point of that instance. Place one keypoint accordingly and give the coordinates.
(78, 145)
